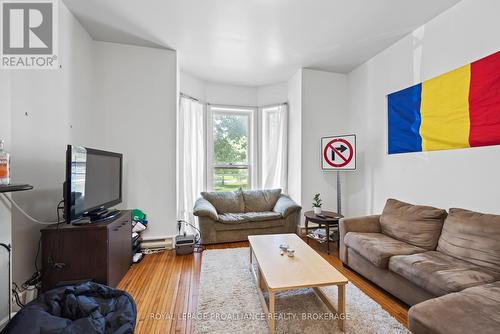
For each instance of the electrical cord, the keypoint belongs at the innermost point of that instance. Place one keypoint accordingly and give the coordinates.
(197, 238)
(36, 278)
(33, 282)
(38, 253)
(58, 266)
(15, 291)
(34, 220)
(153, 251)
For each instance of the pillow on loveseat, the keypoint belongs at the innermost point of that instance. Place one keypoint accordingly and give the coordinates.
(227, 201)
(261, 200)
(417, 225)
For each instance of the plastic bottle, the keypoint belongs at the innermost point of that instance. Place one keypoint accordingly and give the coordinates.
(4, 165)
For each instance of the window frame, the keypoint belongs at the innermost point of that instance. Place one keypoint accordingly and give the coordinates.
(252, 160)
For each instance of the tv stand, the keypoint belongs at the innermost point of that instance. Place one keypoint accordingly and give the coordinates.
(100, 251)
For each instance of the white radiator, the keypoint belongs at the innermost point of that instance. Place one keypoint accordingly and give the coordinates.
(157, 244)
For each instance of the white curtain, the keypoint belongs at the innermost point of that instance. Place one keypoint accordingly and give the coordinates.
(274, 147)
(191, 156)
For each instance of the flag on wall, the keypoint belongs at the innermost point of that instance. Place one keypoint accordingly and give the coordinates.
(458, 109)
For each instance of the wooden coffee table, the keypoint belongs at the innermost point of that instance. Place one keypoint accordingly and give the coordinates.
(307, 269)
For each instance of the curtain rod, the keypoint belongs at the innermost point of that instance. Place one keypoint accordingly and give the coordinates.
(274, 104)
(189, 97)
(246, 106)
(232, 105)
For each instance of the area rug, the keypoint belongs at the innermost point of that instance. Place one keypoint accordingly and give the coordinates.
(228, 303)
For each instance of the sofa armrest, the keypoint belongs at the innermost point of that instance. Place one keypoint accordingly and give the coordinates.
(203, 208)
(286, 206)
(366, 224)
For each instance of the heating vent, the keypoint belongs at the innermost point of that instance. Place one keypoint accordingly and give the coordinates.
(157, 244)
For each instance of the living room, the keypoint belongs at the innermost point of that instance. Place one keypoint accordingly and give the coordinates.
(219, 138)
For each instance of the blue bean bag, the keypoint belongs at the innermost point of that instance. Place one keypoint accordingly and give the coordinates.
(84, 308)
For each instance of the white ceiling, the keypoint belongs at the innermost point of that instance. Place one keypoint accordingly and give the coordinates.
(258, 42)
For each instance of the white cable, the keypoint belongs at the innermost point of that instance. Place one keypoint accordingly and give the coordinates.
(148, 251)
(26, 214)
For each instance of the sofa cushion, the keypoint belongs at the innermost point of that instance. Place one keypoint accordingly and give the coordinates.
(473, 237)
(260, 200)
(234, 218)
(439, 273)
(473, 310)
(417, 225)
(377, 247)
(226, 202)
(250, 225)
(263, 216)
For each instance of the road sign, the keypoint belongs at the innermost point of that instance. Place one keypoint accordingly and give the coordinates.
(338, 152)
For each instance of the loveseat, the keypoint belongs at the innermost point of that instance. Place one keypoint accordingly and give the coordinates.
(234, 215)
(447, 265)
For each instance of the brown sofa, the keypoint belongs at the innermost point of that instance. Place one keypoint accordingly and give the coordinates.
(446, 265)
(233, 216)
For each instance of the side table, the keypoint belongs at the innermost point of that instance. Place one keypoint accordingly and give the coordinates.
(329, 219)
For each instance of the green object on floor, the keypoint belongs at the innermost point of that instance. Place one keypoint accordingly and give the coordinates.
(138, 215)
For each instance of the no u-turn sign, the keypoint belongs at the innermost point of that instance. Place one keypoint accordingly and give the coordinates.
(338, 152)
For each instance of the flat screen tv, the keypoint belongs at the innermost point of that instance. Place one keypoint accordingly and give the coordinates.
(93, 183)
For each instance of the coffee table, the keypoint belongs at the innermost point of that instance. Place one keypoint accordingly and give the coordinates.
(307, 269)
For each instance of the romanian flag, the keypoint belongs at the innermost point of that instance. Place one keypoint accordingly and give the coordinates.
(458, 109)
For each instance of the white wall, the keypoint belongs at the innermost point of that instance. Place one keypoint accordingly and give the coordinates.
(318, 107)
(272, 94)
(455, 178)
(192, 86)
(216, 93)
(49, 110)
(137, 97)
(294, 92)
(324, 113)
(5, 216)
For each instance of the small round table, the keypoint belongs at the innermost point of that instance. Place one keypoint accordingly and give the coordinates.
(329, 219)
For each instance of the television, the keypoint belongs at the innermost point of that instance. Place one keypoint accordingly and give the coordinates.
(93, 184)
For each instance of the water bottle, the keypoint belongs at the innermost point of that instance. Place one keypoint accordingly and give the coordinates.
(4, 165)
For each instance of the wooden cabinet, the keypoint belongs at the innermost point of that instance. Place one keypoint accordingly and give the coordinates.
(99, 251)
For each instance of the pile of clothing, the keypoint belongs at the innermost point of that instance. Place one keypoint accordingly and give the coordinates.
(139, 225)
(84, 308)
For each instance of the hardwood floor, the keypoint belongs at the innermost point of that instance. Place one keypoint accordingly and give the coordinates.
(165, 288)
